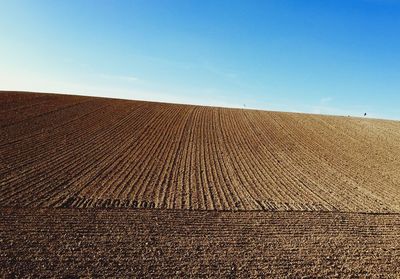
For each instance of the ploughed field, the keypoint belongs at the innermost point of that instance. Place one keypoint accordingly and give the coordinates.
(110, 188)
(71, 151)
(180, 243)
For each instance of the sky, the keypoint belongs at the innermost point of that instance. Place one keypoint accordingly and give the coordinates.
(337, 57)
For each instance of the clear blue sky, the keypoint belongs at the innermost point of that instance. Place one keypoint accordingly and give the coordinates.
(323, 56)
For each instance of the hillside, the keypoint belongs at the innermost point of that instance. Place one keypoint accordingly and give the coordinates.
(71, 151)
(106, 188)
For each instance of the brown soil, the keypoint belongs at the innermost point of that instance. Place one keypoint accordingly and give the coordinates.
(129, 173)
(179, 243)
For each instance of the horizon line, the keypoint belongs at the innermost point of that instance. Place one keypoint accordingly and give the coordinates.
(197, 104)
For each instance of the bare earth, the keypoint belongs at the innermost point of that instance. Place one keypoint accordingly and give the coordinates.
(101, 187)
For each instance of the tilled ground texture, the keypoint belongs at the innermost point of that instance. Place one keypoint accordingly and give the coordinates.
(95, 187)
(180, 243)
(71, 151)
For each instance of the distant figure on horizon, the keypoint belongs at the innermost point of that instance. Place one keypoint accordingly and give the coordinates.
(365, 114)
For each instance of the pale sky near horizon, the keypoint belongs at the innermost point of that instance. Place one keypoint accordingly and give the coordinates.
(314, 56)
